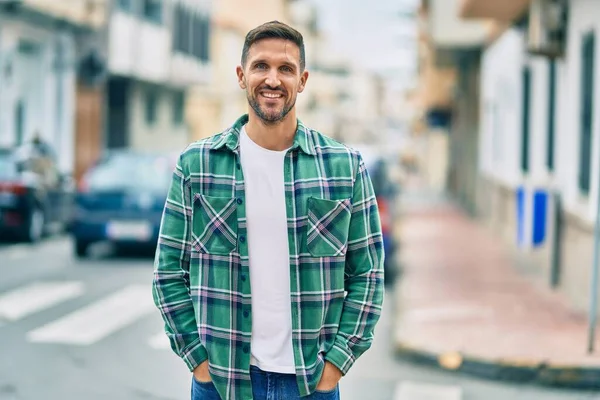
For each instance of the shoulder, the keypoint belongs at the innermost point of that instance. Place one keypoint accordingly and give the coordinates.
(191, 156)
(335, 150)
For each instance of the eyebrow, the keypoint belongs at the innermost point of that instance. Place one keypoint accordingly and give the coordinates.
(287, 63)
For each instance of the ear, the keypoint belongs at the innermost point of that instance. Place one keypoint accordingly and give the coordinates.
(303, 79)
(240, 74)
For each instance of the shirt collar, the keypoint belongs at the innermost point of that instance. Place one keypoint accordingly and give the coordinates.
(230, 138)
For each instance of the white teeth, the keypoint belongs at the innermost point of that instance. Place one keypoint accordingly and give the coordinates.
(271, 95)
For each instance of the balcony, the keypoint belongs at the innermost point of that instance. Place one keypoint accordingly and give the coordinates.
(91, 13)
(449, 31)
(504, 11)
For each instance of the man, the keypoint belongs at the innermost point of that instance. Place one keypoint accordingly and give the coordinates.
(268, 272)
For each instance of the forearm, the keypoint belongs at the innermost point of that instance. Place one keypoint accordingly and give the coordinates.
(171, 285)
(364, 277)
(171, 296)
(361, 312)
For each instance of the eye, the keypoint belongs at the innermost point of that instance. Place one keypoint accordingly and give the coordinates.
(286, 68)
(261, 66)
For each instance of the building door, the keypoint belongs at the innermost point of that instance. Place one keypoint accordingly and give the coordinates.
(118, 113)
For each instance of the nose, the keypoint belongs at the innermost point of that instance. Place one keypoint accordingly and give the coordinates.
(273, 78)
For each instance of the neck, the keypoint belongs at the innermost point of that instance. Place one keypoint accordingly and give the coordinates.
(277, 136)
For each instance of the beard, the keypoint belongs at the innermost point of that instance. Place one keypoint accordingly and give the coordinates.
(270, 115)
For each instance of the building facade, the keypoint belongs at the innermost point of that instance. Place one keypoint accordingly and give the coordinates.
(37, 78)
(157, 50)
(215, 106)
(446, 98)
(540, 137)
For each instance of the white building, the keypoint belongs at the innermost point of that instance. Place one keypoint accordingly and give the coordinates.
(37, 79)
(156, 51)
(540, 129)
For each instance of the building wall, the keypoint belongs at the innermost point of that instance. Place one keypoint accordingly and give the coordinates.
(501, 141)
(161, 135)
(449, 30)
(31, 82)
(580, 210)
(214, 106)
(78, 12)
(156, 58)
(144, 50)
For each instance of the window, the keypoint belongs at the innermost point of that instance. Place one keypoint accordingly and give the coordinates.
(178, 107)
(185, 31)
(191, 33)
(525, 132)
(126, 5)
(586, 107)
(205, 55)
(551, 116)
(153, 10)
(197, 37)
(151, 107)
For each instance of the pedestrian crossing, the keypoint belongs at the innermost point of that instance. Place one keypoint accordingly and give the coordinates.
(92, 322)
(98, 318)
(35, 297)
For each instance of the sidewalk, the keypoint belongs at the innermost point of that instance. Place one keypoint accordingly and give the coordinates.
(462, 306)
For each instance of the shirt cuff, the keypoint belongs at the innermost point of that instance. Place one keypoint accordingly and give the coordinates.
(194, 355)
(341, 357)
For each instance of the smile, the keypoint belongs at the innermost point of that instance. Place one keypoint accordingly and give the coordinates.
(271, 95)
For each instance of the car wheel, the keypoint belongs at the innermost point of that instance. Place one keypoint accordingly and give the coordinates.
(35, 226)
(81, 248)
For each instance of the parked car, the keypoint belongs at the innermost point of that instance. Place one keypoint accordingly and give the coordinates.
(35, 198)
(120, 200)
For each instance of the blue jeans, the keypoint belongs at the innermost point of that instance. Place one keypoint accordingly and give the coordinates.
(265, 386)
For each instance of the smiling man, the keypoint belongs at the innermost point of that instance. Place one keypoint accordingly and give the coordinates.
(268, 272)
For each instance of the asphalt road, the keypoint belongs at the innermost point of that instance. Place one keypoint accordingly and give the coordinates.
(71, 329)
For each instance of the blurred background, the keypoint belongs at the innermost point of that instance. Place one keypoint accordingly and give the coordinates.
(477, 122)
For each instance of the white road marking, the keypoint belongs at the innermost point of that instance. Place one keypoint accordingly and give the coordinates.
(160, 341)
(408, 390)
(27, 300)
(17, 253)
(55, 245)
(98, 320)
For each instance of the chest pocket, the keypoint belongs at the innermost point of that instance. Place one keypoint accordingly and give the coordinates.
(214, 223)
(327, 229)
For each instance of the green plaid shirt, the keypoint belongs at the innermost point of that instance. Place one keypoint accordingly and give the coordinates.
(201, 279)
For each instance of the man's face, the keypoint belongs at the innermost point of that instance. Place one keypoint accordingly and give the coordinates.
(272, 78)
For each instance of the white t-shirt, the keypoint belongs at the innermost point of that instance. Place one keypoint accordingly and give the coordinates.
(271, 343)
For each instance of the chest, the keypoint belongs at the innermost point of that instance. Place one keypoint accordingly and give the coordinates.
(312, 193)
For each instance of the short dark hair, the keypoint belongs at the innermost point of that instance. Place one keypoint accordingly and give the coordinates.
(277, 30)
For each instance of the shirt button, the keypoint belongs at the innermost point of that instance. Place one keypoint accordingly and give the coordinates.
(243, 278)
(242, 239)
(246, 314)
(239, 201)
(246, 349)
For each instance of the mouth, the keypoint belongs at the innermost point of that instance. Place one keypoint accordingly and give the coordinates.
(271, 95)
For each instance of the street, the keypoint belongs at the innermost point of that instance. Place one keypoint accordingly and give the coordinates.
(88, 329)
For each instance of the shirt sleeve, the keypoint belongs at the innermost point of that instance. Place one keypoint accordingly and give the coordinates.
(170, 286)
(363, 276)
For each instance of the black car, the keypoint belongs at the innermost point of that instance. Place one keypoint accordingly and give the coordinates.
(35, 198)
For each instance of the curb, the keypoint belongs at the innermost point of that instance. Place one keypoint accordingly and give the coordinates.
(507, 370)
